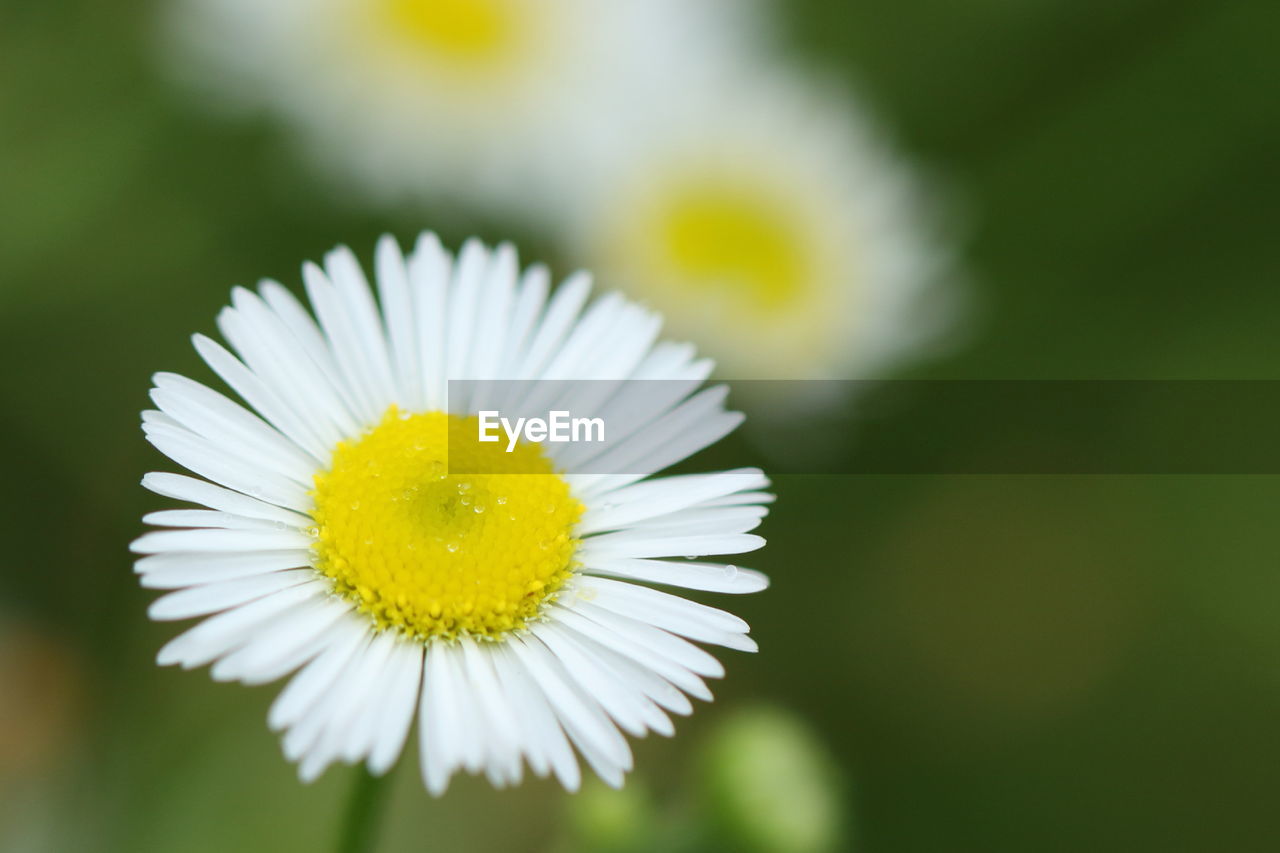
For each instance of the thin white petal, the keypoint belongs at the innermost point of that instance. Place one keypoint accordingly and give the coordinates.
(665, 495)
(219, 541)
(641, 543)
(343, 340)
(348, 277)
(222, 466)
(255, 392)
(212, 598)
(586, 724)
(211, 414)
(532, 296)
(295, 638)
(264, 345)
(662, 642)
(669, 612)
(184, 568)
(304, 335)
(648, 655)
(218, 635)
(397, 316)
(430, 268)
(710, 577)
(555, 324)
(630, 708)
(464, 299)
(401, 700)
(502, 733)
(306, 688)
(184, 488)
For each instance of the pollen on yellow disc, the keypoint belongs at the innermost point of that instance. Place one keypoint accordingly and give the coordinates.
(730, 236)
(431, 554)
(472, 31)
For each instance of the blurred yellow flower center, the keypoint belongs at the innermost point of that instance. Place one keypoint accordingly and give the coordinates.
(433, 554)
(466, 31)
(733, 237)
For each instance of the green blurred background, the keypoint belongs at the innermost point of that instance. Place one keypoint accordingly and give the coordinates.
(987, 663)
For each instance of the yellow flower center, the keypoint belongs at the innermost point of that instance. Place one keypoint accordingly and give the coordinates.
(465, 32)
(733, 237)
(431, 554)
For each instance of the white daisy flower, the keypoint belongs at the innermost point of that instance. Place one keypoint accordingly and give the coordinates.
(510, 609)
(771, 222)
(479, 99)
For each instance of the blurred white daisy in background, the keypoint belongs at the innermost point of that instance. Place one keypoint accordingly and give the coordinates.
(510, 609)
(772, 222)
(481, 100)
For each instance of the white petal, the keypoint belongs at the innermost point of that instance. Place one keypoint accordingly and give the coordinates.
(502, 739)
(464, 297)
(222, 595)
(689, 427)
(208, 413)
(184, 568)
(532, 296)
(347, 276)
(647, 655)
(641, 543)
(218, 635)
(621, 701)
(207, 518)
(344, 342)
(306, 688)
(264, 345)
(306, 737)
(642, 678)
(657, 639)
(544, 741)
(401, 700)
(583, 721)
(669, 612)
(469, 728)
(219, 541)
(296, 637)
(436, 736)
(221, 465)
(304, 335)
(555, 324)
(184, 488)
(665, 495)
(397, 316)
(354, 733)
(429, 271)
(711, 577)
(703, 522)
(264, 400)
(493, 319)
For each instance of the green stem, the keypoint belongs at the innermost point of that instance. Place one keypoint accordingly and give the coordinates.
(360, 827)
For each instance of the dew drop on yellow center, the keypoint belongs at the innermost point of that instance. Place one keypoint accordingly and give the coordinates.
(431, 554)
(462, 31)
(733, 237)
